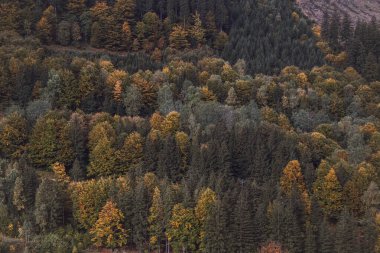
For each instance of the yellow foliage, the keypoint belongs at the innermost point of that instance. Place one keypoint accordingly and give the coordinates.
(60, 173)
(171, 123)
(108, 230)
(206, 94)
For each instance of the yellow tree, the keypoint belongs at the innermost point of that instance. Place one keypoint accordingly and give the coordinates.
(183, 229)
(183, 142)
(131, 153)
(46, 25)
(156, 220)
(108, 230)
(197, 32)
(331, 199)
(171, 123)
(88, 199)
(60, 173)
(178, 38)
(293, 180)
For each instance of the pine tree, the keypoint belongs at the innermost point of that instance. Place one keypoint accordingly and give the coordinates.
(326, 238)
(77, 173)
(346, 32)
(49, 209)
(371, 68)
(345, 234)
(140, 216)
(243, 226)
(325, 29)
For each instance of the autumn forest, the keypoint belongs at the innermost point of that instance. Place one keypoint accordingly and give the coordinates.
(184, 126)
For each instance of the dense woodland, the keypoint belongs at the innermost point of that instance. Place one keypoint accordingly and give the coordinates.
(188, 126)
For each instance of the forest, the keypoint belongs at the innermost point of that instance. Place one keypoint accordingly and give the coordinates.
(187, 126)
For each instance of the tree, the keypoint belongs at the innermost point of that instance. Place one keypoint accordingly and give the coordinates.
(18, 195)
(44, 144)
(64, 33)
(132, 101)
(49, 209)
(156, 220)
(371, 197)
(182, 231)
(102, 159)
(124, 10)
(332, 198)
(196, 31)
(60, 173)
(77, 173)
(232, 99)
(46, 25)
(345, 234)
(130, 155)
(171, 123)
(140, 215)
(292, 178)
(205, 203)
(165, 100)
(13, 135)
(221, 40)
(178, 38)
(76, 6)
(108, 230)
(88, 199)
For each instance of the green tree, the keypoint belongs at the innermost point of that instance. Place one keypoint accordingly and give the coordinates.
(132, 101)
(131, 153)
(13, 135)
(49, 207)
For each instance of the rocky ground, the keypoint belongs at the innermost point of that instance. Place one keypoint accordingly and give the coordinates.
(357, 9)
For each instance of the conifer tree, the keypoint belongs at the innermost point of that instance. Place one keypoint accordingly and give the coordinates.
(49, 209)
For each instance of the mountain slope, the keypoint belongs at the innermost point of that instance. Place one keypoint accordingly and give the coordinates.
(357, 9)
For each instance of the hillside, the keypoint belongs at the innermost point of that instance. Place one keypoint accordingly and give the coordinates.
(357, 9)
(193, 126)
